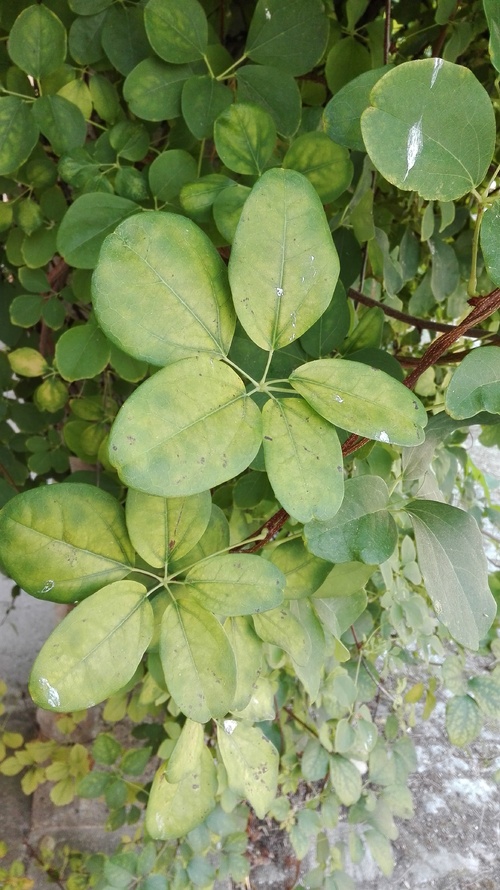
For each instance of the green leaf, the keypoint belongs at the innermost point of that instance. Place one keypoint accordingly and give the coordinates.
(245, 137)
(311, 673)
(153, 89)
(93, 785)
(82, 352)
(63, 542)
(490, 233)
(162, 529)
(25, 310)
(288, 34)
(84, 39)
(169, 172)
(486, 691)
(346, 61)
(328, 332)
(18, 133)
(362, 530)
(106, 749)
(275, 91)
(338, 613)
(124, 38)
(197, 660)
(177, 31)
(475, 385)
(37, 41)
(247, 650)
(345, 579)
(130, 140)
(346, 780)
(61, 122)
(185, 304)
(303, 459)
(82, 662)
(414, 144)
(174, 809)
(491, 12)
(251, 762)
(327, 166)
(463, 720)
(236, 584)
(304, 572)
(164, 445)
(280, 628)
(454, 569)
(197, 198)
(214, 539)
(279, 289)
(28, 362)
(87, 222)
(381, 850)
(227, 209)
(342, 392)
(342, 114)
(88, 7)
(203, 99)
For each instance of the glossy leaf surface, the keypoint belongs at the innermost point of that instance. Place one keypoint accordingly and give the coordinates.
(303, 459)
(431, 144)
(283, 267)
(64, 542)
(82, 662)
(343, 393)
(162, 445)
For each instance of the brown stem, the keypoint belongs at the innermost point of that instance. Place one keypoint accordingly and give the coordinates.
(271, 527)
(387, 31)
(420, 323)
(5, 473)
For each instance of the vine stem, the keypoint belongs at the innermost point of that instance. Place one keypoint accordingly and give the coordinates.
(387, 31)
(483, 307)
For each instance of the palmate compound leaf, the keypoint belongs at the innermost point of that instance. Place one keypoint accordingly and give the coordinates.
(284, 266)
(454, 569)
(166, 528)
(475, 385)
(183, 791)
(185, 306)
(197, 660)
(63, 542)
(95, 651)
(362, 400)
(161, 443)
(303, 459)
(251, 762)
(430, 128)
(234, 584)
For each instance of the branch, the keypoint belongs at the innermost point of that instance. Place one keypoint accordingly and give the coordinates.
(387, 31)
(420, 323)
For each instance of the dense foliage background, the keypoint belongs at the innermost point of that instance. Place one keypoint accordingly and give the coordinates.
(250, 304)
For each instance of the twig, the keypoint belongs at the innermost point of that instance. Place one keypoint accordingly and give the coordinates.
(387, 31)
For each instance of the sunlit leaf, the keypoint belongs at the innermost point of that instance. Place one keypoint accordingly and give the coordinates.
(284, 266)
(163, 445)
(251, 762)
(166, 528)
(83, 662)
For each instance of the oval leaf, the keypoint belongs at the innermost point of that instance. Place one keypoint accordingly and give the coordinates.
(82, 352)
(284, 266)
(454, 569)
(37, 41)
(85, 225)
(236, 584)
(475, 385)
(83, 661)
(162, 529)
(18, 133)
(346, 780)
(361, 530)
(203, 99)
(431, 144)
(177, 30)
(153, 89)
(342, 392)
(247, 650)
(304, 572)
(245, 137)
(185, 303)
(342, 114)
(326, 165)
(275, 91)
(163, 445)
(463, 720)
(251, 762)
(197, 660)
(303, 459)
(175, 808)
(280, 628)
(64, 542)
(490, 235)
(288, 34)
